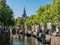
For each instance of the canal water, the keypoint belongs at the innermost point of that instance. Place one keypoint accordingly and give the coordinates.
(24, 40)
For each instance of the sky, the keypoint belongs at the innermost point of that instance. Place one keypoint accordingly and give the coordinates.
(31, 6)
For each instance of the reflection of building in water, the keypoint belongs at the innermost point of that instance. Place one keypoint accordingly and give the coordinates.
(33, 41)
(25, 40)
(21, 37)
(15, 37)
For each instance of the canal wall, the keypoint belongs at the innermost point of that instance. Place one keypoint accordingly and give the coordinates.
(54, 40)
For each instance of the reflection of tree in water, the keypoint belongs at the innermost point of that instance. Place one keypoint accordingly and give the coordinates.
(23, 40)
(21, 37)
(32, 41)
(29, 40)
(18, 40)
(4, 39)
(11, 42)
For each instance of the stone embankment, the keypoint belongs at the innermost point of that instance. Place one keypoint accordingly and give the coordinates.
(54, 39)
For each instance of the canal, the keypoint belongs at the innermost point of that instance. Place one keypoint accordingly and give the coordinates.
(24, 40)
(19, 40)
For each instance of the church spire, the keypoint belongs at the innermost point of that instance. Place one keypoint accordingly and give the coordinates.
(24, 17)
(24, 13)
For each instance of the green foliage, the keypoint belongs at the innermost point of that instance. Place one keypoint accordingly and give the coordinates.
(49, 12)
(6, 14)
(18, 22)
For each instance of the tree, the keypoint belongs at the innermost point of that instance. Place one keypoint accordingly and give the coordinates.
(49, 12)
(18, 22)
(6, 13)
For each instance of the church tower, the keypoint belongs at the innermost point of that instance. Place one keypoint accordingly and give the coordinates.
(24, 15)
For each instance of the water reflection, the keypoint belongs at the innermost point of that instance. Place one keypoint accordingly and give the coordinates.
(20, 40)
(23, 40)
